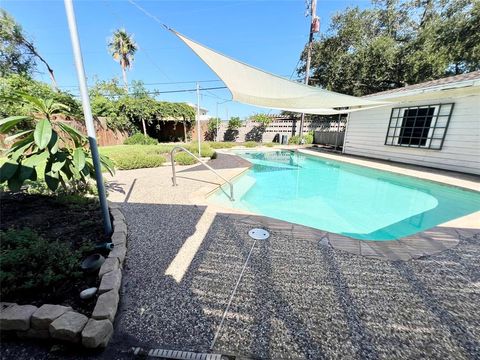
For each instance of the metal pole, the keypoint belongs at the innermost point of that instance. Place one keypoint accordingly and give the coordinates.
(338, 130)
(216, 134)
(309, 57)
(77, 53)
(198, 121)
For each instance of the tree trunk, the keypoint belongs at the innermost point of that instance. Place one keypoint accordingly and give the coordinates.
(144, 127)
(32, 49)
(185, 131)
(124, 75)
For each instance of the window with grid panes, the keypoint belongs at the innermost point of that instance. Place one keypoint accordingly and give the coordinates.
(419, 126)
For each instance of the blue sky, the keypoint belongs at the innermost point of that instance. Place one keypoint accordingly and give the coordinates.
(266, 34)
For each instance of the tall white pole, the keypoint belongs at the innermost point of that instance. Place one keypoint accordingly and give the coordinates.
(199, 137)
(87, 112)
(216, 133)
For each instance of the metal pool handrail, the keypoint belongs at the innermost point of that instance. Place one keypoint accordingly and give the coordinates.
(174, 177)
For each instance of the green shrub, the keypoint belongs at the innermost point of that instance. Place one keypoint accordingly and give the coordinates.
(127, 157)
(138, 160)
(140, 139)
(270, 144)
(250, 144)
(31, 263)
(295, 140)
(308, 139)
(185, 159)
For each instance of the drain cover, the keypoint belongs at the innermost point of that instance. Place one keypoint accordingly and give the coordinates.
(259, 234)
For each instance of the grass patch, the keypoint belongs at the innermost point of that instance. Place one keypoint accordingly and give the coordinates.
(251, 144)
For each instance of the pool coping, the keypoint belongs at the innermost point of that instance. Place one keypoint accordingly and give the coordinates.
(428, 242)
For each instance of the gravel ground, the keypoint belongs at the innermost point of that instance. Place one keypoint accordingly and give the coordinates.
(298, 297)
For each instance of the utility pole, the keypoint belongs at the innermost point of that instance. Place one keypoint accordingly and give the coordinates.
(314, 28)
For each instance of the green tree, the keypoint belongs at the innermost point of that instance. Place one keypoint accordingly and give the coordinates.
(234, 123)
(212, 125)
(395, 43)
(123, 48)
(14, 83)
(17, 53)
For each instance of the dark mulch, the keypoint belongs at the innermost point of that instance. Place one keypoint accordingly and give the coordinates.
(74, 220)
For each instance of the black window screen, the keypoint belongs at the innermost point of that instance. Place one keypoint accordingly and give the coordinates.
(419, 126)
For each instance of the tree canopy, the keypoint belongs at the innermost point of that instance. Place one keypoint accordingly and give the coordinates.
(128, 111)
(17, 52)
(396, 43)
(123, 48)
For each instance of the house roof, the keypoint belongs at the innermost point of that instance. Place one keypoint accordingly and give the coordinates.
(457, 81)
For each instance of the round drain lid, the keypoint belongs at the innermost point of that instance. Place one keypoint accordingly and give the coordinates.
(259, 234)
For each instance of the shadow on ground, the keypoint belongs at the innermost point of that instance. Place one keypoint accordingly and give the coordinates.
(298, 297)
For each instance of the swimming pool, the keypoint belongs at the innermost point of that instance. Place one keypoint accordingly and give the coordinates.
(343, 198)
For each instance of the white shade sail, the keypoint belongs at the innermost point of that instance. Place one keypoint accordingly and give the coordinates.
(256, 87)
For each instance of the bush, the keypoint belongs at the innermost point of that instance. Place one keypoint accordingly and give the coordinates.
(295, 139)
(138, 160)
(270, 144)
(140, 139)
(308, 139)
(250, 144)
(31, 263)
(185, 159)
(127, 157)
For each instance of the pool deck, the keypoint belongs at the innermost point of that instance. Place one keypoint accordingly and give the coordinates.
(195, 281)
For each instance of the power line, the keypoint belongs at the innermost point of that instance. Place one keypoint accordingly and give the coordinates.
(160, 83)
(173, 91)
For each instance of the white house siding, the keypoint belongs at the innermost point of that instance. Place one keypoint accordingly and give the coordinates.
(366, 131)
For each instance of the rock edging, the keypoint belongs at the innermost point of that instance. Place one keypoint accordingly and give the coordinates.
(61, 322)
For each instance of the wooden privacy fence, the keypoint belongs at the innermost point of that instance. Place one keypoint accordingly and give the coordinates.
(105, 136)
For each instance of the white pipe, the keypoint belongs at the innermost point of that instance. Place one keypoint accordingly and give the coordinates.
(87, 112)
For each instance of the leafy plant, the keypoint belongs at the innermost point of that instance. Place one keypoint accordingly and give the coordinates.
(31, 263)
(140, 139)
(296, 139)
(234, 123)
(263, 119)
(55, 148)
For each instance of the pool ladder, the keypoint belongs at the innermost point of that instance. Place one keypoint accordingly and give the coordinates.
(174, 177)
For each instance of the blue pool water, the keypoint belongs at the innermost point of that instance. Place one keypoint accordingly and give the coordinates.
(342, 198)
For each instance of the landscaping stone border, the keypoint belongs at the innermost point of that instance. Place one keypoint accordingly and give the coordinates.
(62, 322)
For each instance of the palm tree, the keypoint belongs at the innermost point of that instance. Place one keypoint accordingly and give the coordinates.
(122, 47)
